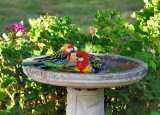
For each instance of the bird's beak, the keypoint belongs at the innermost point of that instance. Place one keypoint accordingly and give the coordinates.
(73, 50)
(70, 50)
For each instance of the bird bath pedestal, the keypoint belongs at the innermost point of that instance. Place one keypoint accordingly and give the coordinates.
(86, 90)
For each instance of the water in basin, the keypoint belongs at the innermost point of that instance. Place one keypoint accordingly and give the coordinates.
(111, 63)
(71, 69)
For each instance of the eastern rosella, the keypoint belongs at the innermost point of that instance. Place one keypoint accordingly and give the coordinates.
(87, 62)
(58, 59)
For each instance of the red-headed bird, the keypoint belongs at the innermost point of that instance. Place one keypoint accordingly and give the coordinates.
(58, 59)
(87, 63)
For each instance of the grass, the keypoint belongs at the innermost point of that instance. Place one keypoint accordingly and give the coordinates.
(82, 11)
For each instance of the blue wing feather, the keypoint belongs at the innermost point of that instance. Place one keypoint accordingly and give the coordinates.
(61, 62)
(93, 69)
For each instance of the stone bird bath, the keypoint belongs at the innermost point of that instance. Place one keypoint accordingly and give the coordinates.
(86, 90)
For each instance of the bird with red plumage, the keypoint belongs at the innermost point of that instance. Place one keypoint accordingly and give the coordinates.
(87, 62)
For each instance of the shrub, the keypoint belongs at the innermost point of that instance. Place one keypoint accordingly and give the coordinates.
(110, 34)
(140, 41)
(19, 94)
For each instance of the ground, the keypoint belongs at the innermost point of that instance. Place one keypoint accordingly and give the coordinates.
(82, 11)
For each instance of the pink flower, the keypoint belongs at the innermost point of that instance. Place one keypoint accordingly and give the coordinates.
(91, 30)
(14, 27)
(6, 29)
(17, 26)
(88, 51)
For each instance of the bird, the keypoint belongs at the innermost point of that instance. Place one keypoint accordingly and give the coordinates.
(87, 62)
(56, 60)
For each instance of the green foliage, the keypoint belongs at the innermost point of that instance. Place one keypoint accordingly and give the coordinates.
(140, 41)
(19, 94)
(113, 31)
(51, 32)
(147, 32)
(112, 34)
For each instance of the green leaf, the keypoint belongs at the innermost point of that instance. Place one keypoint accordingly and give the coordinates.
(155, 2)
(4, 113)
(15, 85)
(139, 85)
(5, 37)
(108, 110)
(8, 80)
(3, 96)
(29, 95)
(48, 34)
(127, 52)
(10, 107)
(133, 15)
(101, 32)
(153, 64)
(155, 113)
(145, 56)
(134, 45)
(66, 20)
(131, 27)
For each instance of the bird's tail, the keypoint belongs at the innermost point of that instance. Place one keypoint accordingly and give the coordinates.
(31, 63)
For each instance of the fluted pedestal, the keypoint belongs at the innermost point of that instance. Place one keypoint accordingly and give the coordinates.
(85, 101)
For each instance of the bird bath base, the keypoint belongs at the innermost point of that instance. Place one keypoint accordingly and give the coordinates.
(85, 101)
(86, 91)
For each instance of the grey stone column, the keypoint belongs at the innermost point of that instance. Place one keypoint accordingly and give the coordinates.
(85, 101)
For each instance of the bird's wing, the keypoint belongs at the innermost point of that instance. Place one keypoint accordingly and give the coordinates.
(58, 57)
(95, 61)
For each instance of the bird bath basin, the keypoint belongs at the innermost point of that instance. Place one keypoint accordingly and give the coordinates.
(86, 90)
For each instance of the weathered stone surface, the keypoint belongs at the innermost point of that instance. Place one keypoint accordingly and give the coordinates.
(85, 102)
(134, 70)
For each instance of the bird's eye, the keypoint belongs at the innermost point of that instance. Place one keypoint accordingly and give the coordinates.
(69, 47)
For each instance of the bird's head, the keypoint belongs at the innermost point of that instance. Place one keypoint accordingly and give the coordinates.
(81, 55)
(68, 48)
